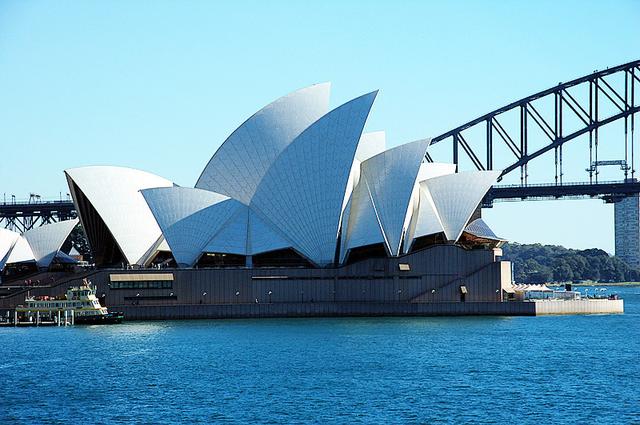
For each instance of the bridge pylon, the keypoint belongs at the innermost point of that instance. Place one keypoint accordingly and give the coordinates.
(627, 229)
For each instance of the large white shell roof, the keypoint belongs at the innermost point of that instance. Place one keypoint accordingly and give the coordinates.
(114, 192)
(302, 193)
(241, 162)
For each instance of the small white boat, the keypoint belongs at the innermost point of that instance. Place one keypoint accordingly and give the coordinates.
(80, 300)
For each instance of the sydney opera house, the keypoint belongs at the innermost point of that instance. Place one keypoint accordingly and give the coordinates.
(298, 212)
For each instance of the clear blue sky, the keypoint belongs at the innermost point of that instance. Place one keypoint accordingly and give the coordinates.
(158, 85)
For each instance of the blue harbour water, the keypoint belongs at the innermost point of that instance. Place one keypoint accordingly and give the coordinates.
(516, 370)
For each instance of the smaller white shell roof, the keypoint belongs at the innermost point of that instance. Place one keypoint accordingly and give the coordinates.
(13, 248)
(171, 204)
(21, 252)
(189, 218)
(391, 178)
(371, 144)
(361, 226)
(481, 229)
(456, 197)
(114, 192)
(8, 239)
(428, 221)
(46, 241)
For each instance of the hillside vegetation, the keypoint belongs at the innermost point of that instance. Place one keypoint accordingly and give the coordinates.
(536, 263)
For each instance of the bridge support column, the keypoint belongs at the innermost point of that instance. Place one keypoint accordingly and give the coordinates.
(627, 230)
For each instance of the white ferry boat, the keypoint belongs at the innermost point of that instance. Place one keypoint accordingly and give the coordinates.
(81, 300)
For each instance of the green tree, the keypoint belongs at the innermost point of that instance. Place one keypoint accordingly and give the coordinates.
(562, 271)
(536, 263)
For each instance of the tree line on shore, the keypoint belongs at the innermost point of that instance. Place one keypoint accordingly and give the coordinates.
(537, 263)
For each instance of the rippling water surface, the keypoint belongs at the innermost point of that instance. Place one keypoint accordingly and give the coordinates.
(565, 369)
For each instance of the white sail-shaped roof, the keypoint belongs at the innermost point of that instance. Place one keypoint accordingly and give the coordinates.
(21, 252)
(262, 237)
(189, 218)
(195, 221)
(456, 197)
(302, 194)
(370, 144)
(427, 220)
(159, 246)
(114, 193)
(391, 178)
(171, 204)
(232, 236)
(7, 241)
(361, 226)
(13, 248)
(240, 163)
(46, 241)
(245, 233)
(189, 237)
(481, 229)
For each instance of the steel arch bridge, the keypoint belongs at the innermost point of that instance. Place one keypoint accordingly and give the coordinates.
(593, 101)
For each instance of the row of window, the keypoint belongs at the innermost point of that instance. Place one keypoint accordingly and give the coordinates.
(146, 284)
(61, 304)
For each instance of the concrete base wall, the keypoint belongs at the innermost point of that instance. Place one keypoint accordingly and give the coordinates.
(443, 280)
(199, 311)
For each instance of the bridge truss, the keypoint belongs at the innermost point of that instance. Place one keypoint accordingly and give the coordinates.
(592, 102)
(23, 216)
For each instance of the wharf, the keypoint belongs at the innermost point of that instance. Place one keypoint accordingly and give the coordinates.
(53, 317)
(582, 306)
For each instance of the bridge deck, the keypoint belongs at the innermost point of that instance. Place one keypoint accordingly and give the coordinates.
(609, 191)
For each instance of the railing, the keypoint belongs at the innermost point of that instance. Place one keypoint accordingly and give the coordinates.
(585, 183)
(35, 202)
